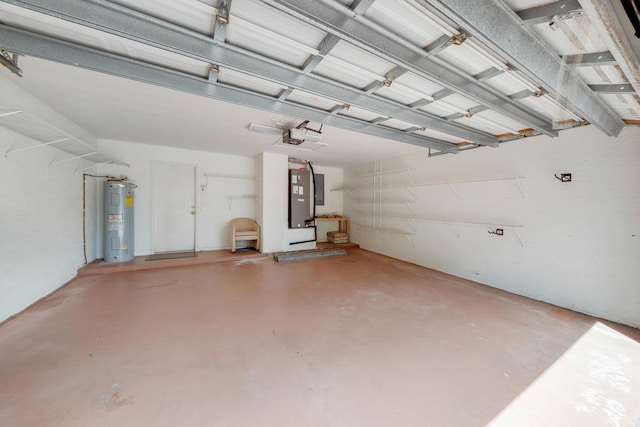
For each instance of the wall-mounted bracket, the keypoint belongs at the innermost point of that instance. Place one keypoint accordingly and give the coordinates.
(55, 162)
(232, 197)
(412, 227)
(31, 147)
(564, 177)
(107, 162)
(454, 190)
(519, 186)
(519, 238)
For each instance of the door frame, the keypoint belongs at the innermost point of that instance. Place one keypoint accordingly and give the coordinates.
(196, 198)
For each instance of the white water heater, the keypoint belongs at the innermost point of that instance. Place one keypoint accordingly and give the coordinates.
(118, 221)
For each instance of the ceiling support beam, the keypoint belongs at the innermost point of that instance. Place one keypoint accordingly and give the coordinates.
(282, 96)
(328, 43)
(613, 88)
(488, 74)
(442, 94)
(546, 12)
(438, 45)
(235, 58)
(474, 110)
(522, 49)
(359, 7)
(590, 59)
(394, 74)
(374, 86)
(335, 18)
(118, 20)
(608, 24)
(51, 49)
(455, 116)
(420, 103)
(521, 95)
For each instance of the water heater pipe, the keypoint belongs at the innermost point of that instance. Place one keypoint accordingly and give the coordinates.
(84, 208)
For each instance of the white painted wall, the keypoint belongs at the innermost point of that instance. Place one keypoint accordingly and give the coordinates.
(41, 244)
(333, 200)
(40, 222)
(273, 181)
(214, 210)
(215, 207)
(580, 240)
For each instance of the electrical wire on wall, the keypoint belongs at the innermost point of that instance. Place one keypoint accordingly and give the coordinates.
(313, 218)
(84, 209)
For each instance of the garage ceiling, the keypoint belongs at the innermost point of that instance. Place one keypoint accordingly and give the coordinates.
(377, 77)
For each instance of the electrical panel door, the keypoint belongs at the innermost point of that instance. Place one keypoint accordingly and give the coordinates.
(299, 198)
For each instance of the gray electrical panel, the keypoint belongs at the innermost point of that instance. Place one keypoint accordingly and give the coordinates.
(300, 198)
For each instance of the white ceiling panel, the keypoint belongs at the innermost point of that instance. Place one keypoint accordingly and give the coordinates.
(439, 135)
(257, 39)
(624, 104)
(408, 20)
(90, 37)
(486, 125)
(504, 124)
(507, 83)
(458, 101)
(157, 56)
(480, 124)
(192, 14)
(43, 24)
(244, 81)
(441, 109)
(345, 72)
(363, 60)
(569, 38)
(398, 124)
(360, 113)
(399, 93)
(417, 83)
(466, 58)
(312, 100)
(601, 74)
(275, 22)
(548, 107)
(525, 4)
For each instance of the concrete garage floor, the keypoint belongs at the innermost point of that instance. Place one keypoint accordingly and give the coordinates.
(362, 340)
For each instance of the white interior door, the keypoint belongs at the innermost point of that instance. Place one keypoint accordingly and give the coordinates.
(173, 210)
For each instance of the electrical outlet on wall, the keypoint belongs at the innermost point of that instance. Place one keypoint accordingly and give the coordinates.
(564, 177)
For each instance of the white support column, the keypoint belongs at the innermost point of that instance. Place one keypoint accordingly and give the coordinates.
(271, 192)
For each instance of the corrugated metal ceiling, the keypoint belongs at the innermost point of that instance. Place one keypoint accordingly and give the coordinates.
(419, 76)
